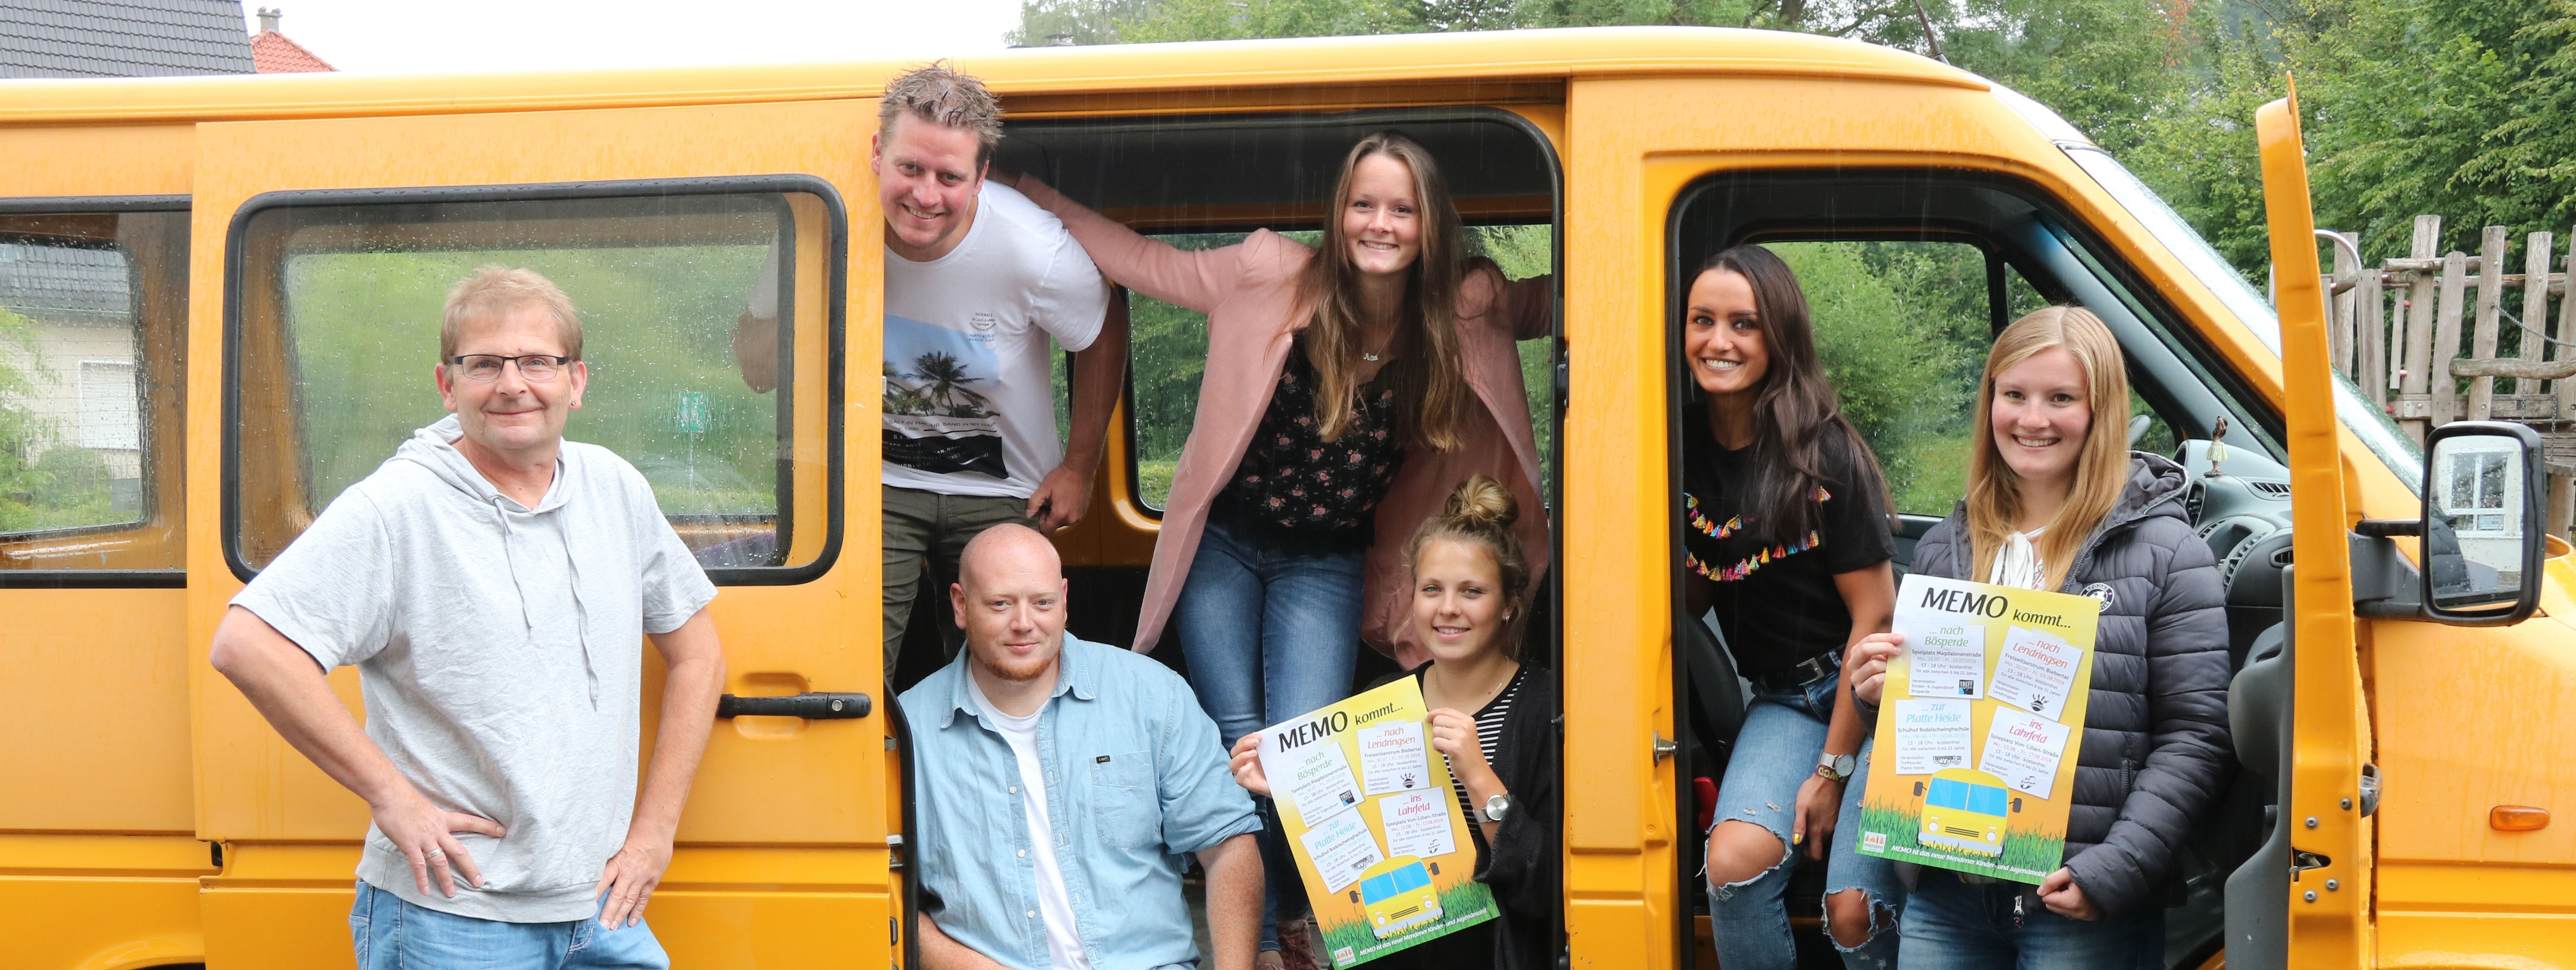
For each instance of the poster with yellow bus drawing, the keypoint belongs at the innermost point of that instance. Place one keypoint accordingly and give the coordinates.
(1367, 808)
(1973, 764)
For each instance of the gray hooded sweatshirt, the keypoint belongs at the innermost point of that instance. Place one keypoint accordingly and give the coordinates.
(499, 648)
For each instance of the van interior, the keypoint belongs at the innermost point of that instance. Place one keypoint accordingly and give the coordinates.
(1909, 274)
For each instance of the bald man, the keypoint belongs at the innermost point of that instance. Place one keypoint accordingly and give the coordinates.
(1060, 782)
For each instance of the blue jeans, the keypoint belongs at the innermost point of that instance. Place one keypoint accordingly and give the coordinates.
(1269, 635)
(1775, 753)
(391, 934)
(1951, 925)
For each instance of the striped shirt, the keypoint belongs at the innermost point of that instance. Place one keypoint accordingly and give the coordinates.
(1489, 734)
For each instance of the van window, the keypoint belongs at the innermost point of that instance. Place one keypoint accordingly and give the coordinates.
(1168, 351)
(93, 311)
(703, 319)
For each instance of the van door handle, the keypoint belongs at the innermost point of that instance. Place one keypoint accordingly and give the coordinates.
(812, 706)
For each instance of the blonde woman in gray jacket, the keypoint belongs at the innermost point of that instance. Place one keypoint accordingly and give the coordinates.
(2057, 501)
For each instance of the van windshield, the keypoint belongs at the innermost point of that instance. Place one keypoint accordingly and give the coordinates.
(2367, 421)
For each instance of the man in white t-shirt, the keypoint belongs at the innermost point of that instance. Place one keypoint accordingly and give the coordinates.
(977, 279)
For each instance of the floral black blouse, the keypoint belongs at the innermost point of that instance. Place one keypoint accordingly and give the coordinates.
(1291, 478)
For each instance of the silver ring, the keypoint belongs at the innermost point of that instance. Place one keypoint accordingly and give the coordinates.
(436, 854)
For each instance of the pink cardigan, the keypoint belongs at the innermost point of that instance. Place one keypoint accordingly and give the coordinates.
(1249, 292)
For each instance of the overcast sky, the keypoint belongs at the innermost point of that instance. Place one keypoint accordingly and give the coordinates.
(414, 36)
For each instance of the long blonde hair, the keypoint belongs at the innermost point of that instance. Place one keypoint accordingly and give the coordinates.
(2101, 469)
(1432, 393)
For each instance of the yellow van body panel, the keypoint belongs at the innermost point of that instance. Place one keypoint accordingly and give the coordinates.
(126, 755)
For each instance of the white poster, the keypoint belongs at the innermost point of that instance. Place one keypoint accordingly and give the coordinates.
(2036, 671)
(1391, 758)
(2023, 751)
(1417, 824)
(1949, 661)
(1317, 777)
(1931, 735)
(1342, 849)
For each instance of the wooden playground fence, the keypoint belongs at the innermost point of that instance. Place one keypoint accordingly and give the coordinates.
(2398, 333)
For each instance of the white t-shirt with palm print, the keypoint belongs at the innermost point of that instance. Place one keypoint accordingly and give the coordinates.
(969, 407)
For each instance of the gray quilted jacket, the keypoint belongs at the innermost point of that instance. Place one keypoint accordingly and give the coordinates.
(2156, 754)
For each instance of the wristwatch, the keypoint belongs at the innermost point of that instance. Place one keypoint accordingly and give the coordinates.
(1836, 767)
(1495, 808)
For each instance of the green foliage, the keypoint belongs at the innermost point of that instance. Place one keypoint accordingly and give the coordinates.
(45, 482)
(1901, 329)
(2458, 109)
(1168, 352)
(656, 321)
(1242, 19)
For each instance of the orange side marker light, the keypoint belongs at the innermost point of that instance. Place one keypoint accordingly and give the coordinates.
(2517, 818)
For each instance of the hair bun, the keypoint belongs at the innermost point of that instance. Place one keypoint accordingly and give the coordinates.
(1483, 499)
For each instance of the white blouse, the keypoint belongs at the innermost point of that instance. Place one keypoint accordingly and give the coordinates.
(2017, 563)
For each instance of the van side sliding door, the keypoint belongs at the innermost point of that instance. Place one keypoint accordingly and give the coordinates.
(97, 849)
(323, 253)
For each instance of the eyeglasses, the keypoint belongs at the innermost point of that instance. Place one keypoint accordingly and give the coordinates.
(487, 367)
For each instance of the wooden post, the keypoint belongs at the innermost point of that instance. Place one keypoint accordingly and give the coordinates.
(2446, 338)
(2535, 304)
(2562, 502)
(2413, 408)
(2342, 332)
(2482, 342)
(2567, 329)
(2370, 305)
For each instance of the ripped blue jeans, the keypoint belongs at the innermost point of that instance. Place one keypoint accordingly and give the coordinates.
(1784, 732)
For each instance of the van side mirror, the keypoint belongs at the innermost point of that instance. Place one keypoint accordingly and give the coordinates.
(2016, 805)
(2484, 527)
(1918, 789)
(1433, 866)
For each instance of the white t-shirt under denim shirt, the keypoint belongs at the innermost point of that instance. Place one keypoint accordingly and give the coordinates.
(499, 650)
(1064, 940)
(969, 398)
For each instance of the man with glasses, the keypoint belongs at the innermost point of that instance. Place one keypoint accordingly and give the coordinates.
(493, 584)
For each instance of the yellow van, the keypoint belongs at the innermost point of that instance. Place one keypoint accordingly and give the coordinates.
(1965, 809)
(222, 291)
(1396, 894)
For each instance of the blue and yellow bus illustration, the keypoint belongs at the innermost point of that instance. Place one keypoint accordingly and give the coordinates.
(1397, 894)
(1964, 809)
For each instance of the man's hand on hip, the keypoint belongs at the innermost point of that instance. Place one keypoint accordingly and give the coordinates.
(426, 835)
(632, 875)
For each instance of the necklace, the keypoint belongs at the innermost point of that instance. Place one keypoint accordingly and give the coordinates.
(1482, 695)
(1372, 358)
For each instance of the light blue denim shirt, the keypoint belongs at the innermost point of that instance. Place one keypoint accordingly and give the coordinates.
(1136, 779)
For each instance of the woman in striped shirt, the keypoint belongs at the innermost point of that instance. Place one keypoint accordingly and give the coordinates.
(1492, 717)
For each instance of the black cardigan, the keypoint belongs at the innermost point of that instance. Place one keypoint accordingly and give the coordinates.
(1522, 866)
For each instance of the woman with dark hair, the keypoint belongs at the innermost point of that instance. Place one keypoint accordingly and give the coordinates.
(1348, 385)
(1786, 537)
(1492, 718)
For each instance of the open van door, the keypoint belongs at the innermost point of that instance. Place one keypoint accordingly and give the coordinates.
(2300, 714)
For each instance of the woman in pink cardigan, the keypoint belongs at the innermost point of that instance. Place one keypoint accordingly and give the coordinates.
(1349, 389)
